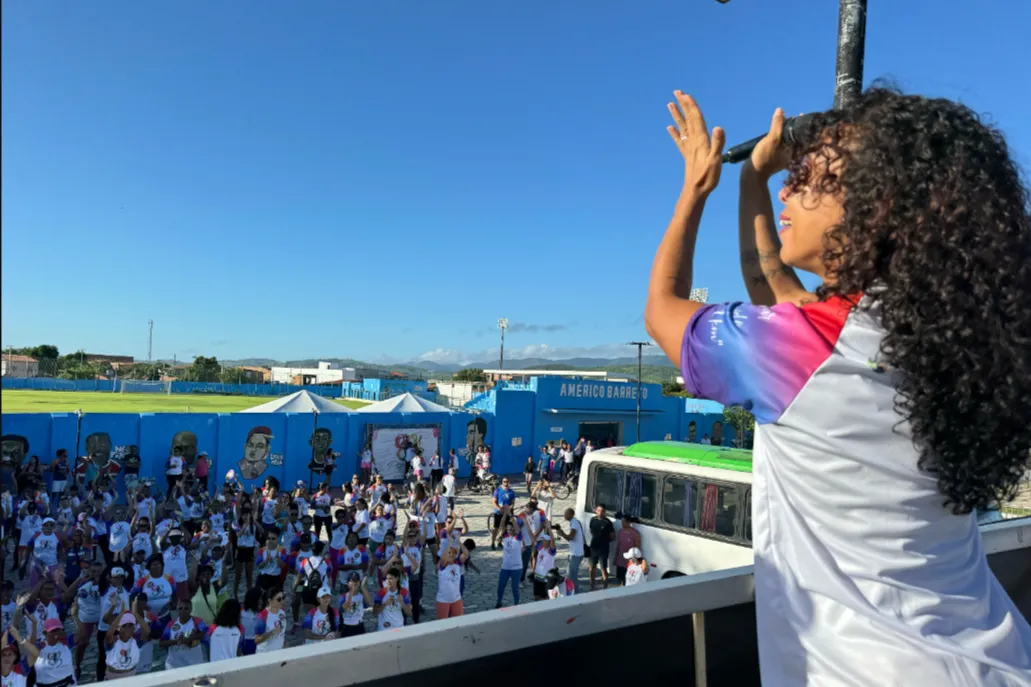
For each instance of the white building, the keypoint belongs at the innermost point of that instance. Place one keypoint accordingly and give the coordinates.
(323, 374)
(18, 366)
(459, 393)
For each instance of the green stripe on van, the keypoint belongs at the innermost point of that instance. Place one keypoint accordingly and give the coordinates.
(739, 460)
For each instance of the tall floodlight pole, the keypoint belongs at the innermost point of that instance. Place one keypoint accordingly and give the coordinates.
(150, 339)
(502, 325)
(640, 348)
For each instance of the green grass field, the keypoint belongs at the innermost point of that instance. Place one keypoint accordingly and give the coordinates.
(108, 402)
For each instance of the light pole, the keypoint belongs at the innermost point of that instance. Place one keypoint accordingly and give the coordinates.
(640, 347)
(502, 325)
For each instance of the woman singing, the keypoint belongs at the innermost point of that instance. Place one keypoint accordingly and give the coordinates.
(890, 405)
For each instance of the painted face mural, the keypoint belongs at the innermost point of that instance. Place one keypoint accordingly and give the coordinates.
(717, 433)
(255, 453)
(184, 444)
(320, 441)
(476, 433)
(692, 431)
(15, 448)
(98, 448)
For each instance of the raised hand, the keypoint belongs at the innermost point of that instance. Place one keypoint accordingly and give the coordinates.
(702, 153)
(769, 156)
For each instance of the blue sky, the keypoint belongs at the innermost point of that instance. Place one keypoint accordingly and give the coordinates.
(385, 180)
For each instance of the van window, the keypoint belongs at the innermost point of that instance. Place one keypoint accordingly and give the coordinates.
(679, 502)
(701, 506)
(748, 515)
(606, 488)
(639, 495)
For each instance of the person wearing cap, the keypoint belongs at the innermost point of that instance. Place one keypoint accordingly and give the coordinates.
(626, 538)
(225, 636)
(320, 623)
(10, 668)
(353, 603)
(114, 601)
(43, 547)
(530, 524)
(544, 560)
(123, 643)
(52, 661)
(636, 568)
(312, 573)
(174, 556)
(559, 586)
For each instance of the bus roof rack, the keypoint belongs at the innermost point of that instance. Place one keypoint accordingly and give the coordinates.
(736, 459)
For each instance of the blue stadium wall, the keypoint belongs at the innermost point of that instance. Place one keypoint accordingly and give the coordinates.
(223, 436)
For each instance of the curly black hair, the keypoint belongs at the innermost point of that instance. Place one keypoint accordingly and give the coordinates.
(937, 230)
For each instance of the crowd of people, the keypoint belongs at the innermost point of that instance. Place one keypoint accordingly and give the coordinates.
(207, 577)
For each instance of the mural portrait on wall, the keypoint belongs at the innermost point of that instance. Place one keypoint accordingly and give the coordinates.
(717, 433)
(321, 440)
(184, 444)
(130, 459)
(692, 432)
(256, 451)
(15, 448)
(98, 457)
(475, 435)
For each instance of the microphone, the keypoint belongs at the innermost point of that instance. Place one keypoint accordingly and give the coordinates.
(794, 128)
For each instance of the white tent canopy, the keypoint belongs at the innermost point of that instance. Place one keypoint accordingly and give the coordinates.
(405, 403)
(299, 402)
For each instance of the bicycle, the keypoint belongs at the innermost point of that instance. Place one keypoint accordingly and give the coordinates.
(568, 486)
(486, 485)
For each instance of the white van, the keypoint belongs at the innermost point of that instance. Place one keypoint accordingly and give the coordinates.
(692, 502)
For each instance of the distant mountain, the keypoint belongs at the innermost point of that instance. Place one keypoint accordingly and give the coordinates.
(655, 368)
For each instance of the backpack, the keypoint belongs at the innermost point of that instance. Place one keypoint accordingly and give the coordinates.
(313, 580)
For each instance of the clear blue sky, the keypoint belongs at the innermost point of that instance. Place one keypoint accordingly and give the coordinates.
(383, 180)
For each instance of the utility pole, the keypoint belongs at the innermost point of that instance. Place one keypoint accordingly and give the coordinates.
(150, 339)
(640, 348)
(502, 325)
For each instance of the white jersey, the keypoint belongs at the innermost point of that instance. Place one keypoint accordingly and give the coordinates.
(862, 576)
(122, 656)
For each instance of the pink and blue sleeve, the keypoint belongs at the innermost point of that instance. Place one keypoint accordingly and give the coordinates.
(758, 357)
(166, 634)
(259, 623)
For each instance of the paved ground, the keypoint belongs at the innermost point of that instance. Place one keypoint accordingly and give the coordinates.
(480, 591)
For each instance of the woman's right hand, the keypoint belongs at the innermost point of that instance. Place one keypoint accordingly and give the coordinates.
(769, 156)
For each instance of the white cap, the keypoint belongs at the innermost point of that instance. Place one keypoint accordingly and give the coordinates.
(633, 553)
(127, 619)
(50, 521)
(117, 572)
(325, 591)
(545, 536)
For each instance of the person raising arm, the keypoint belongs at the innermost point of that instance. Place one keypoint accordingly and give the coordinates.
(768, 280)
(669, 306)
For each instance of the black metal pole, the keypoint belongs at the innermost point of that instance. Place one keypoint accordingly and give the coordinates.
(640, 348)
(848, 78)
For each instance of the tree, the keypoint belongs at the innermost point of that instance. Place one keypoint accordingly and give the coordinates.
(204, 369)
(742, 421)
(469, 374)
(674, 389)
(44, 352)
(233, 375)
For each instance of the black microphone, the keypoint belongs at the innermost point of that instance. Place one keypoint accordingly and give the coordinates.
(794, 128)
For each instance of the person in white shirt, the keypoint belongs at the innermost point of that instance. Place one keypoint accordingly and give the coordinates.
(436, 469)
(173, 470)
(353, 603)
(543, 563)
(123, 643)
(182, 638)
(366, 464)
(449, 488)
(512, 544)
(637, 567)
(391, 603)
(575, 537)
(270, 625)
(225, 637)
(449, 583)
(321, 622)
